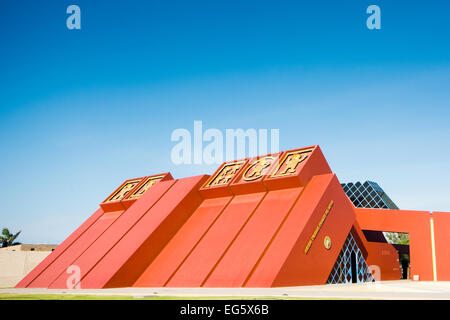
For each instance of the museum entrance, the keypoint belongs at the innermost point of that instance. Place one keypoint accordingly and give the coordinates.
(400, 242)
(350, 266)
(354, 267)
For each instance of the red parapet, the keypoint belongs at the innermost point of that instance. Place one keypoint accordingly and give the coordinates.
(113, 202)
(250, 178)
(218, 185)
(130, 190)
(296, 167)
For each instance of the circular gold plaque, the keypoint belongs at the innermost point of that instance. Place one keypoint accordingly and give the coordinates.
(327, 242)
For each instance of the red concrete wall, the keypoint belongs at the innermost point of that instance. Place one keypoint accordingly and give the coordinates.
(285, 263)
(160, 271)
(360, 239)
(442, 244)
(196, 268)
(415, 223)
(128, 259)
(87, 259)
(254, 238)
(66, 259)
(385, 257)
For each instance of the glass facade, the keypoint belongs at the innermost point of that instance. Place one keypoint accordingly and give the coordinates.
(350, 266)
(348, 269)
(368, 195)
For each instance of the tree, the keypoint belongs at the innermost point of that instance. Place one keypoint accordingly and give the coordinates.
(397, 238)
(7, 238)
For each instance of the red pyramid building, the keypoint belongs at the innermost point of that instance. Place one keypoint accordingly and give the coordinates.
(269, 221)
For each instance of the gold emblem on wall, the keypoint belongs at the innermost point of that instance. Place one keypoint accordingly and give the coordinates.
(319, 225)
(224, 176)
(123, 192)
(289, 163)
(327, 242)
(142, 189)
(255, 171)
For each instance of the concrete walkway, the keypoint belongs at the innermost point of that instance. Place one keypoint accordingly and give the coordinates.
(403, 289)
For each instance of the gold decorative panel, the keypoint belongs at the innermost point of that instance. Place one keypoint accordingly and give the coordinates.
(224, 175)
(124, 190)
(145, 186)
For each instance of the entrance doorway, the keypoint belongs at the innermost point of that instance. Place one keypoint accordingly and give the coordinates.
(350, 265)
(400, 241)
(354, 266)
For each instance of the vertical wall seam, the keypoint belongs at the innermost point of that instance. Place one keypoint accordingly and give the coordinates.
(433, 247)
(252, 271)
(123, 235)
(199, 240)
(64, 250)
(234, 239)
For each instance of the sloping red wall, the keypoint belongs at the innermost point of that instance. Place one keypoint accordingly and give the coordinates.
(26, 281)
(251, 243)
(159, 272)
(66, 259)
(126, 261)
(285, 262)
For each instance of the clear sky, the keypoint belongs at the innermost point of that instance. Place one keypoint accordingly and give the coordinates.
(82, 110)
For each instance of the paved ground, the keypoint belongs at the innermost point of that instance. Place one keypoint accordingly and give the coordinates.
(403, 289)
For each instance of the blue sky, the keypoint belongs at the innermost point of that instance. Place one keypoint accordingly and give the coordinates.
(82, 110)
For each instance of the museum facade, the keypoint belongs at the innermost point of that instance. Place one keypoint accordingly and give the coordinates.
(276, 220)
